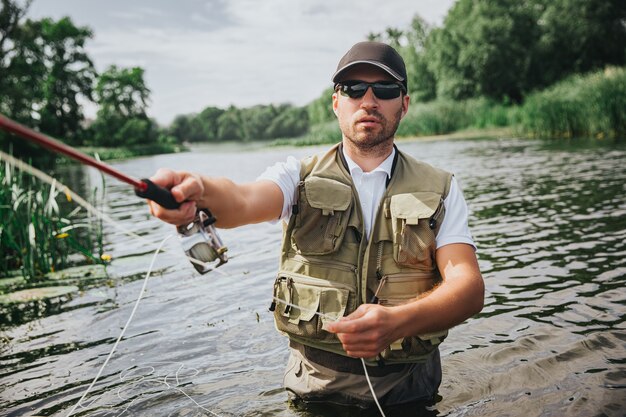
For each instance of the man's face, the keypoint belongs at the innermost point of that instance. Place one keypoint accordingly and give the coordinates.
(368, 121)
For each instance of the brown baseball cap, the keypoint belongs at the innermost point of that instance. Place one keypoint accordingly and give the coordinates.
(374, 53)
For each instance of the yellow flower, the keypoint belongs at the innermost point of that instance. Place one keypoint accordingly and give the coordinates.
(105, 257)
(68, 195)
(62, 235)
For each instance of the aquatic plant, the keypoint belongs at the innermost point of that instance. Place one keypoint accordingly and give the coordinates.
(40, 229)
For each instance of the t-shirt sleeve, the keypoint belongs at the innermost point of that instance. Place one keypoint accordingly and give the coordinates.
(454, 228)
(287, 176)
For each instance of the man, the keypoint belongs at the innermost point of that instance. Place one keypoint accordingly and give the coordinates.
(377, 261)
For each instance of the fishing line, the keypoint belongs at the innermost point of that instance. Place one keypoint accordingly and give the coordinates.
(121, 335)
(94, 211)
(130, 318)
(9, 159)
(326, 316)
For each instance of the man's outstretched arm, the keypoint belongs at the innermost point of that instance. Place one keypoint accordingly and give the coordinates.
(232, 204)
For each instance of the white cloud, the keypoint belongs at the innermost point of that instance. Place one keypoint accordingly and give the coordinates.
(198, 53)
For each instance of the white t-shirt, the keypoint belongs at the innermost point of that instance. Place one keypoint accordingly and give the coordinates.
(371, 187)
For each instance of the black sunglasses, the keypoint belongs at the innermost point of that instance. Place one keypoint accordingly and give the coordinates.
(382, 90)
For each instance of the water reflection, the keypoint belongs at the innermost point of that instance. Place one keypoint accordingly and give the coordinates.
(550, 224)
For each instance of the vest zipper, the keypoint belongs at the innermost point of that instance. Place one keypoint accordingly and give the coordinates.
(289, 297)
(379, 272)
(343, 266)
(315, 282)
(412, 275)
(400, 277)
(432, 222)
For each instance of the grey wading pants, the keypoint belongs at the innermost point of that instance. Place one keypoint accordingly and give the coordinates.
(313, 375)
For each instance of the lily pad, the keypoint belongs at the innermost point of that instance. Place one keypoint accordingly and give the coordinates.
(90, 271)
(36, 294)
(11, 282)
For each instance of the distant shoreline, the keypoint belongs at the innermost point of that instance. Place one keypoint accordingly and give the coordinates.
(491, 133)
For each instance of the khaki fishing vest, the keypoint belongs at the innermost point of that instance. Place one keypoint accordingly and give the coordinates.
(327, 266)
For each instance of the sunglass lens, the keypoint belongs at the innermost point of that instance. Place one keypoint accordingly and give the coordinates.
(354, 90)
(386, 91)
(381, 90)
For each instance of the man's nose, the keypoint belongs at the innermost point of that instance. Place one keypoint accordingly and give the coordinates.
(369, 99)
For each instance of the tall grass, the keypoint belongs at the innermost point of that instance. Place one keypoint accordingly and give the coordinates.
(39, 231)
(592, 105)
(446, 116)
(321, 133)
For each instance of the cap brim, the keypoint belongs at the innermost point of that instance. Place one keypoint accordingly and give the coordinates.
(384, 67)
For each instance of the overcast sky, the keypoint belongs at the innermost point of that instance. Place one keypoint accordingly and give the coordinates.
(197, 53)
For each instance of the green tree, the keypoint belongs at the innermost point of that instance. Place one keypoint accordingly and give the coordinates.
(483, 48)
(122, 97)
(411, 44)
(21, 64)
(320, 109)
(421, 80)
(70, 75)
(45, 70)
(577, 36)
(394, 36)
(180, 128)
(290, 122)
(207, 120)
(229, 125)
(255, 121)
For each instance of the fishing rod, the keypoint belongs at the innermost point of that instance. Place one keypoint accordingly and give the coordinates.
(198, 238)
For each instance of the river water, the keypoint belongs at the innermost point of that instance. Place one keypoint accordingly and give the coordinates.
(550, 224)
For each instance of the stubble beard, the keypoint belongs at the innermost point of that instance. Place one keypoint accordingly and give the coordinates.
(370, 142)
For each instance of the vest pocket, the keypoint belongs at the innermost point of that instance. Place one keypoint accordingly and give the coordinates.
(398, 289)
(322, 215)
(304, 304)
(414, 221)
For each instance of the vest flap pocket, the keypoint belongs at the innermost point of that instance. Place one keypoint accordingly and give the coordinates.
(322, 216)
(401, 288)
(304, 304)
(414, 233)
(333, 303)
(414, 206)
(308, 299)
(327, 194)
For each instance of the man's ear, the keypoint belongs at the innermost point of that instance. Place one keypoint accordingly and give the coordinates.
(405, 105)
(335, 103)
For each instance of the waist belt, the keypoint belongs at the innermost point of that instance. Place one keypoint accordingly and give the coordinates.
(340, 363)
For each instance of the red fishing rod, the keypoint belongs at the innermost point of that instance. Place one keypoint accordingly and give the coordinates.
(199, 239)
(143, 188)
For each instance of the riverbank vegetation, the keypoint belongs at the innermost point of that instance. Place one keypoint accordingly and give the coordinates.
(41, 230)
(541, 68)
(545, 68)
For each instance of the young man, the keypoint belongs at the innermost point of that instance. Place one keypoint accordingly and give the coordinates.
(377, 260)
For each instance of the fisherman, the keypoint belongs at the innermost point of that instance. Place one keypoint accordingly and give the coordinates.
(377, 260)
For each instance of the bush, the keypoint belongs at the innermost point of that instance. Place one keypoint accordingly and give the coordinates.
(445, 116)
(590, 105)
(318, 134)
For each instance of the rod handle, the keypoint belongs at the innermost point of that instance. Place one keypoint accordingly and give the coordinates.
(161, 196)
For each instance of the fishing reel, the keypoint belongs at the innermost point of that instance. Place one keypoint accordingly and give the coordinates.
(201, 242)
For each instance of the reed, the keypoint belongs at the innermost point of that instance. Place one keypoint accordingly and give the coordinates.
(592, 105)
(40, 230)
(446, 116)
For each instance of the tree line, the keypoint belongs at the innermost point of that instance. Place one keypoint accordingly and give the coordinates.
(501, 50)
(47, 76)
